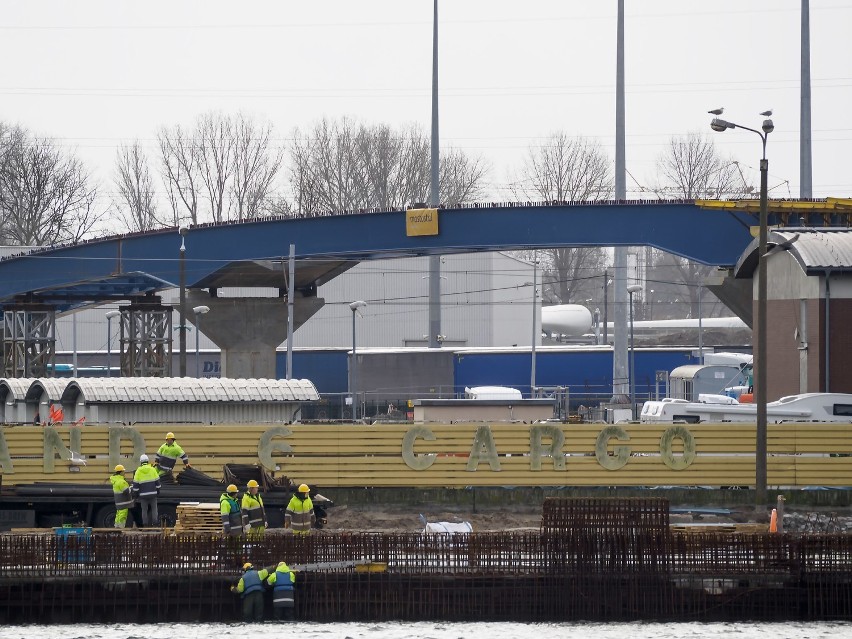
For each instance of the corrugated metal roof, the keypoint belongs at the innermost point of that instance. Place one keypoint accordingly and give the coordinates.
(819, 250)
(16, 387)
(53, 388)
(815, 249)
(176, 389)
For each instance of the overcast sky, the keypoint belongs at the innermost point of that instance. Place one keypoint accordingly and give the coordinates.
(96, 73)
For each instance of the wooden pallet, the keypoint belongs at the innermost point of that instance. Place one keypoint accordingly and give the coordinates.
(198, 518)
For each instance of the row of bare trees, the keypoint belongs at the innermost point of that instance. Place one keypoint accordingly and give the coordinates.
(46, 194)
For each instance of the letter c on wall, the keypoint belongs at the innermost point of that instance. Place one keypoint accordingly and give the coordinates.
(265, 445)
(417, 462)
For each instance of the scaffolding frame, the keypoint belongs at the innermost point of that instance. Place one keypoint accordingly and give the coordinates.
(29, 341)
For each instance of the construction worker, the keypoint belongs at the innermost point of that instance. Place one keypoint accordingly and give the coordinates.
(146, 488)
(229, 508)
(250, 587)
(122, 494)
(283, 582)
(254, 514)
(168, 455)
(299, 516)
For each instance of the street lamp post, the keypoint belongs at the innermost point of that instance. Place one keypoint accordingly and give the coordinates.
(635, 288)
(534, 325)
(181, 310)
(199, 311)
(760, 369)
(109, 315)
(353, 391)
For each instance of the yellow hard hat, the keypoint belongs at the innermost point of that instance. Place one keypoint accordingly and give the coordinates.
(252, 484)
(170, 435)
(232, 488)
(304, 488)
(119, 468)
(247, 566)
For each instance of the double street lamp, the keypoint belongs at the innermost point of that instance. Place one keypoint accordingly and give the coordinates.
(353, 391)
(760, 368)
(635, 288)
(109, 315)
(199, 311)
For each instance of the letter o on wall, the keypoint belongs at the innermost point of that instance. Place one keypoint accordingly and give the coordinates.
(621, 452)
(681, 433)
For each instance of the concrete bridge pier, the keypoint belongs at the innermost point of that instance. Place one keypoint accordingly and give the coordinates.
(249, 329)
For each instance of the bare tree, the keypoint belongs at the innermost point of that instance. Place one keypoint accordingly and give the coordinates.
(256, 163)
(342, 166)
(214, 149)
(568, 169)
(135, 188)
(180, 172)
(45, 193)
(691, 168)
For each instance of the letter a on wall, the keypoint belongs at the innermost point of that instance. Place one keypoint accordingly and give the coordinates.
(483, 449)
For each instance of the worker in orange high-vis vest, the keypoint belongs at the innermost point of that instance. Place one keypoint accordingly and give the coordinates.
(299, 516)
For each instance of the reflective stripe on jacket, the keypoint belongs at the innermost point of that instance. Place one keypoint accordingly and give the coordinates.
(146, 481)
(252, 509)
(282, 581)
(300, 514)
(167, 455)
(121, 492)
(230, 512)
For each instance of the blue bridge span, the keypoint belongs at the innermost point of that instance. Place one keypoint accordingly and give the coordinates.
(250, 253)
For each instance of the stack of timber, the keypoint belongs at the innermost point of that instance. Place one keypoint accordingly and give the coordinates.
(198, 518)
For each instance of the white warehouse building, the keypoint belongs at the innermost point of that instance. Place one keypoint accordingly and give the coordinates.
(486, 301)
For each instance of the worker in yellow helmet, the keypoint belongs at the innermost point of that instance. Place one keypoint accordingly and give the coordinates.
(122, 494)
(168, 454)
(254, 514)
(250, 588)
(283, 581)
(229, 509)
(299, 516)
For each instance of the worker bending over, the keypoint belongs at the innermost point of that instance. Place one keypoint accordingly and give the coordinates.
(299, 516)
(250, 587)
(168, 455)
(283, 582)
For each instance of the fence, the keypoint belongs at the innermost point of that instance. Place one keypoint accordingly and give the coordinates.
(640, 574)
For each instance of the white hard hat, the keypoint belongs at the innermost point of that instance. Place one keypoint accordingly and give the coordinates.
(143, 458)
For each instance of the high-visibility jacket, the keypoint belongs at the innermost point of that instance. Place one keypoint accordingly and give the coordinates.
(168, 455)
(251, 581)
(299, 515)
(229, 509)
(282, 582)
(146, 481)
(121, 491)
(253, 512)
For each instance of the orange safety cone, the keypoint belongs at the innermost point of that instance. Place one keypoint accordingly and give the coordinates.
(773, 521)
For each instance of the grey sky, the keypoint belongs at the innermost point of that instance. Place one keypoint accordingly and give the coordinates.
(97, 73)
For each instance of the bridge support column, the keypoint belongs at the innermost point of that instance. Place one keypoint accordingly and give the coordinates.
(29, 341)
(248, 330)
(146, 338)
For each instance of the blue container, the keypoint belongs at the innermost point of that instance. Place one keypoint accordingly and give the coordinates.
(73, 545)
